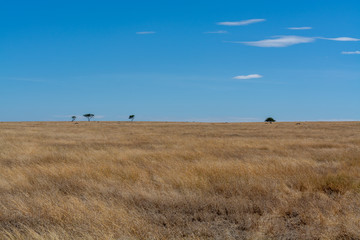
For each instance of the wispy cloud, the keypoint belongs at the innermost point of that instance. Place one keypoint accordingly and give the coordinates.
(300, 28)
(246, 77)
(146, 32)
(286, 41)
(282, 41)
(342, 39)
(217, 32)
(241, 23)
(354, 52)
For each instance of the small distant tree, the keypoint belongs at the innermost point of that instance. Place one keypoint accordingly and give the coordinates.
(270, 120)
(73, 118)
(132, 117)
(89, 116)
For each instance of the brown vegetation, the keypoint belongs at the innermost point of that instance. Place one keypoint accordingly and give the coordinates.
(116, 180)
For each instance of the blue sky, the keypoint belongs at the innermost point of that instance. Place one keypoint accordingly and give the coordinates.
(180, 60)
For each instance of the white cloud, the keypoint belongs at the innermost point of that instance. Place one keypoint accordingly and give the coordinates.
(241, 23)
(218, 32)
(342, 39)
(300, 28)
(146, 32)
(282, 41)
(245, 77)
(354, 52)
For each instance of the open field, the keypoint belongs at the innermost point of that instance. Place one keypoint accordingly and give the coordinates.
(121, 180)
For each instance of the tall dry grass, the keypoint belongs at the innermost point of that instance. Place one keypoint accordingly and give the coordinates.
(116, 180)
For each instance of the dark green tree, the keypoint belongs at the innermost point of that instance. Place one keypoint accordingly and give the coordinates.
(270, 120)
(132, 117)
(89, 116)
(73, 118)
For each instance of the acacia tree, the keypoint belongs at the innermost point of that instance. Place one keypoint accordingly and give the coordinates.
(270, 120)
(89, 116)
(73, 118)
(132, 117)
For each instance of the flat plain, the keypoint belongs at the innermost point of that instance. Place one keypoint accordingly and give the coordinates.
(158, 180)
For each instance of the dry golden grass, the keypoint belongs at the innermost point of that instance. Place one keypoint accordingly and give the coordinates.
(116, 180)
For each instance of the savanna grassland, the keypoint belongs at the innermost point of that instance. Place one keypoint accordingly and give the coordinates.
(148, 180)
